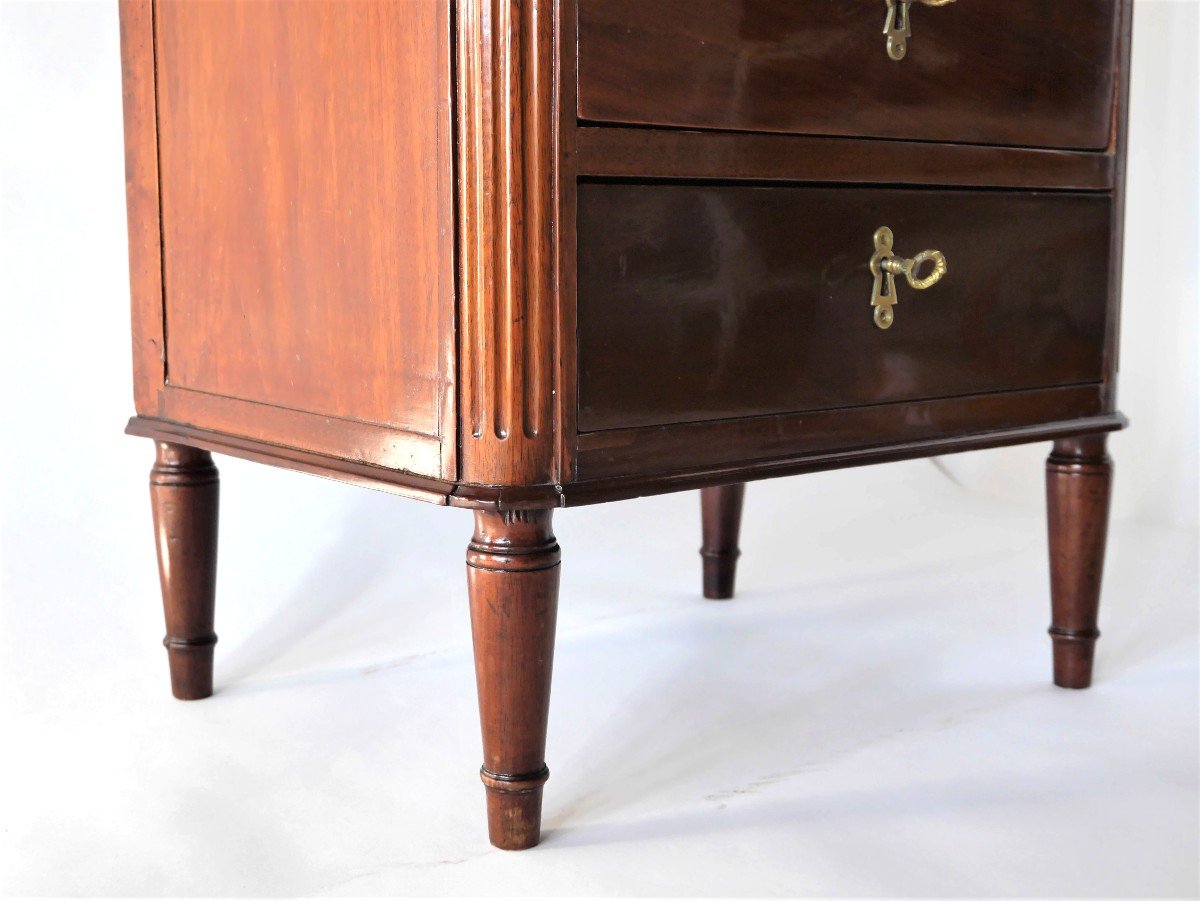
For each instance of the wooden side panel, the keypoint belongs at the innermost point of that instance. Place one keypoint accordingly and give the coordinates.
(307, 207)
(141, 197)
(712, 302)
(1025, 72)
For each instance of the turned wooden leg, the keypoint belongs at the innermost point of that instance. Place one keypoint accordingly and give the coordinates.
(721, 511)
(1078, 485)
(512, 577)
(183, 494)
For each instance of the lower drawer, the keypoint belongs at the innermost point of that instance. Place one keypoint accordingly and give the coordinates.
(701, 302)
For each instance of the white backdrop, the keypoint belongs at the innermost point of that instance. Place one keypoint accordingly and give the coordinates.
(323, 583)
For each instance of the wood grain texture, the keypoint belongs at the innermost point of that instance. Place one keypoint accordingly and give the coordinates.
(721, 517)
(512, 576)
(307, 207)
(141, 197)
(676, 154)
(715, 445)
(1116, 258)
(1079, 476)
(184, 496)
(507, 169)
(1026, 72)
(701, 302)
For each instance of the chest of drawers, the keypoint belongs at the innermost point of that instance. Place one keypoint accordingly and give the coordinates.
(515, 256)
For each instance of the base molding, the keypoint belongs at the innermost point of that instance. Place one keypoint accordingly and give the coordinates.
(503, 498)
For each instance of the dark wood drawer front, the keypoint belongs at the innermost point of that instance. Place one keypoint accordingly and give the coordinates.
(1034, 73)
(710, 302)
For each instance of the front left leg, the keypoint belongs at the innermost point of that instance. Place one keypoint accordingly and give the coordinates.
(512, 578)
(184, 491)
(1079, 476)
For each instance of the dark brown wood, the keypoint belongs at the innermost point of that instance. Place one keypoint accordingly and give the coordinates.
(184, 493)
(1079, 476)
(1028, 72)
(1120, 142)
(721, 515)
(373, 241)
(616, 488)
(710, 302)
(731, 444)
(677, 154)
(512, 576)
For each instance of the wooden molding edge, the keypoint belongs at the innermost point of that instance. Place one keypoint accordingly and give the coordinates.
(543, 496)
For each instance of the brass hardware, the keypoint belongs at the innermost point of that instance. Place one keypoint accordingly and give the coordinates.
(898, 27)
(885, 266)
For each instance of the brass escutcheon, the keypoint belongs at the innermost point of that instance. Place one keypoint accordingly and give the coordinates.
(885, 266)
(898, 27)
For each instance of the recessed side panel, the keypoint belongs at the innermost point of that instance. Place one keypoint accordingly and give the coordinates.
(306, 202)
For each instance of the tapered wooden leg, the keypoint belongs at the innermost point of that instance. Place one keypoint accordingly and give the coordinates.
(721, 511)
(1078, 485)
(183, 494)
(512, 577)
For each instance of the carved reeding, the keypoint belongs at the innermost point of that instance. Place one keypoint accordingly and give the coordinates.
(505, 121)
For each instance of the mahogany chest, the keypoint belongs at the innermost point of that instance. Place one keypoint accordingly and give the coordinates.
(516, 255)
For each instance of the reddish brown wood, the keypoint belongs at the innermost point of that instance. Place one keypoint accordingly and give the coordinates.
(512, 576)
(303, 157)
(508, 174)
(702, 302)
(1026, 72)
(721, 514)
(337, 269)
(184, 492)
(141, 197)
(1078, 488)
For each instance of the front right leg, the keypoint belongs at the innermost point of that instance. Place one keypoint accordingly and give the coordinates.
(512, 578)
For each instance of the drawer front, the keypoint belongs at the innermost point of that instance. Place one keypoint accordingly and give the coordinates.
(710, 302)
(1035, 73)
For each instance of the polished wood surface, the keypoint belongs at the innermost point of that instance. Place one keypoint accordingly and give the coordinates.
(374, 241)
(184, 496)
(306, 207)
(512, 575)
(141, 199)
(709, 302)
(1024, 72)
(1079, 476)
(662, 153)
(721, 516)
(507, 179)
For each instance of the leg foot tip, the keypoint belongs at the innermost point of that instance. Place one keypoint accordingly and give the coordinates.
(1073, 663)
(719, 576)
(191, 674)
(514, 819)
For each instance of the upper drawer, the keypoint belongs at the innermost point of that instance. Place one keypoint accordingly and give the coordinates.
(1035, 73)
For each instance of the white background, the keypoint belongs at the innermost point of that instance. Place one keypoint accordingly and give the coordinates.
(872, 715)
